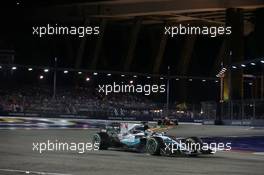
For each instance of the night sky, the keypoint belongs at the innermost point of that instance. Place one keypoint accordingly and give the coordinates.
(17, 19)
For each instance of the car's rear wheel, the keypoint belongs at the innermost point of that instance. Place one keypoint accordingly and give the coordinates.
(203, 150)
(194, 143)
(102, 140)
(154, 145)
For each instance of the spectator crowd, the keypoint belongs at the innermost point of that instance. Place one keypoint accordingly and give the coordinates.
(71, 101)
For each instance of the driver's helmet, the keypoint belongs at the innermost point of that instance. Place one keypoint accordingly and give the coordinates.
(138, 129)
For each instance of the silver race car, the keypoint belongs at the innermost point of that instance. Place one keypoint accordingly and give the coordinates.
(138, 137)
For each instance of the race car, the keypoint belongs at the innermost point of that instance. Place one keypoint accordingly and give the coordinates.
(166, 121)
(138, 137)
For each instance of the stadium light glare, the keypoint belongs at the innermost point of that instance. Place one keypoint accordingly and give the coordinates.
(41, 77)
(148, 77)
(108, 75)
(79, 73)
(46, 70)
(161, 78)
(87, 79)
(243, 65)
(65, 71)
(30, 69)
(190, 79)
(95, 73)
(0, 67)
(250, 84)
(234, 67)
(203, 80)
(14, 68)
(122, 75)
(262, 61)
(253, 64)
(216, 81)
(131, 81)
(177, 79)
(135, 76)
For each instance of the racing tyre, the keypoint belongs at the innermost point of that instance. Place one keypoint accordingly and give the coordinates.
(154, 145)
(102, 140)
(199, 141)
(197, 146)
(195, 140)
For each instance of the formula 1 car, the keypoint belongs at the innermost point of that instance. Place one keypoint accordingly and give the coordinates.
(139, 137)
(165, 121)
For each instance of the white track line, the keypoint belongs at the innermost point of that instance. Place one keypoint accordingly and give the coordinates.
(29, 172)
(259, 153)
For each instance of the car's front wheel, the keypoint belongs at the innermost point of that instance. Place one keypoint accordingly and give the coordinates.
(154, 145)
(102, 140)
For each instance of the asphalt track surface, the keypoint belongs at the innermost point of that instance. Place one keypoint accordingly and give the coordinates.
(17, 156)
